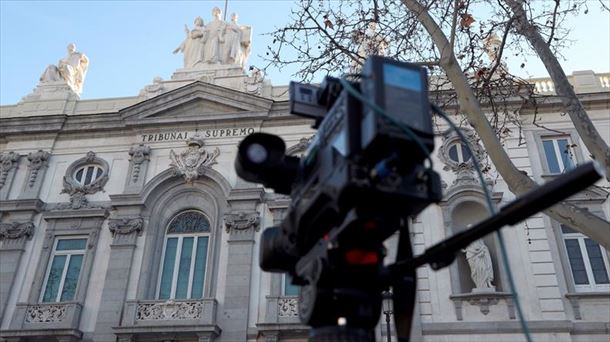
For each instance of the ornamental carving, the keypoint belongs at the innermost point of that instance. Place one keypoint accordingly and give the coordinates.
(300, 147)
(242, 221)
(287, 307)
(77, 190)
(45, 313)
(126, 226)
(138, 154)
(37, 160)
(449, 158)
(8, 161)
(16, 230)
(192, 162)
(170, 310)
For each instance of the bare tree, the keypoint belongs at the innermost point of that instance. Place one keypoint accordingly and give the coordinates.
(526, 26)
(330, 37)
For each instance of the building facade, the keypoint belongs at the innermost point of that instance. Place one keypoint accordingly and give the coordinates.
(122, 219)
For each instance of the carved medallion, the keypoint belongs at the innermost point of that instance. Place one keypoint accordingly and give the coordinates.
(126, 226)
(16, 230)
(192, 162)
(242, 221)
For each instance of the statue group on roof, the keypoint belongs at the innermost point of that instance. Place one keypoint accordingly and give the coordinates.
(218, 42)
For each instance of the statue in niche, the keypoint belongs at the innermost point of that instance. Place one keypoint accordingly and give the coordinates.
(72, 69)
(214, 37)
(193, 45)
(479, 261)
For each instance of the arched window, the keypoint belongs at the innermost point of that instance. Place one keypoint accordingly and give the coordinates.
(184, 258)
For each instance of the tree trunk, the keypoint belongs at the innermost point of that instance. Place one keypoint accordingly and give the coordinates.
(585, 128)
(518, 183)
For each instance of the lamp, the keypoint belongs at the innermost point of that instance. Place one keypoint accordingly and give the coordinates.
(387, 311)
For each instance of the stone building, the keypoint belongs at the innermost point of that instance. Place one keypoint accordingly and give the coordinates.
(122, 219)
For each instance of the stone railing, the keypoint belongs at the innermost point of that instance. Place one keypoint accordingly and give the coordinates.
(46, 316)
(172, 312)
(582, 81)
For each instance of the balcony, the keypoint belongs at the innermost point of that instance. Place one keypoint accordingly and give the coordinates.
(45, 319)
(282, 319)
(169, 319)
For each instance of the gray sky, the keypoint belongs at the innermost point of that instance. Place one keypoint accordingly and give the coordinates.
(130, 42)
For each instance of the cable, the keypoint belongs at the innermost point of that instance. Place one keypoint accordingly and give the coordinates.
(492, 210)
(355, 93)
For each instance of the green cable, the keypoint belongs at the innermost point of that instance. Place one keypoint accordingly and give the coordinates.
(492, 210)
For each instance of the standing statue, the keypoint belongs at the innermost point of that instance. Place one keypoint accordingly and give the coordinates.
(193, 45)
(214, 38)
(479, 260)
(233, 53)
(72, 69)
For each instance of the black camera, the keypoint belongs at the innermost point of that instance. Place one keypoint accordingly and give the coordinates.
(360, 161)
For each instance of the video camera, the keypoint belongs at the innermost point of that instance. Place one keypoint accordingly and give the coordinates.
(361, 178)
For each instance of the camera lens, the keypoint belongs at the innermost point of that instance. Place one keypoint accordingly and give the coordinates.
(256, 153)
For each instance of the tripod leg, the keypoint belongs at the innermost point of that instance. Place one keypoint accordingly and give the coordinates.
(404, 287)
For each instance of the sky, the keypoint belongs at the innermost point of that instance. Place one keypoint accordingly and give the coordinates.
(131, 42)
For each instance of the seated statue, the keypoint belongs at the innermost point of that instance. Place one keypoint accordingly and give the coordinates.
(72, 69)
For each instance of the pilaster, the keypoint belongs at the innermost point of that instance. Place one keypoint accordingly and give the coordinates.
(241, 222)
(125, 231)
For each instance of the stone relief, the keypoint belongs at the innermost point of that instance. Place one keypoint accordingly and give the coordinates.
(299, 148)
(8, 161)
(218, 42)
(77, 191)
(154, 89)
(169, 310)
(71, 69)
(287, 307)
(481, 269)
(37, 160)
(16, 230)
(254, 82)
(138, 154)
(45, 313)
(192, 162)
(125, 226)
(242, 221)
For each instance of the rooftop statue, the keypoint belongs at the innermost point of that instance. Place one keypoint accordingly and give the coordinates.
(193, 44)
(72, 69)
(217, 43)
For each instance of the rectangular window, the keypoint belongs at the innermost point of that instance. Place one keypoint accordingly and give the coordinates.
(63, 271)
(588, 261)
(288, 289)
(183, 267)
(559, 154)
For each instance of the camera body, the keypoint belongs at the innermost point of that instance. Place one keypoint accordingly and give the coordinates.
(360, 161)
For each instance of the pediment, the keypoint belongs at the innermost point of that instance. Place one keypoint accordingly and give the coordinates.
(196, 100)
